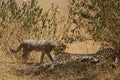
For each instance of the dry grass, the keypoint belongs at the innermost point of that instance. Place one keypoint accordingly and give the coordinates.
(11, 69)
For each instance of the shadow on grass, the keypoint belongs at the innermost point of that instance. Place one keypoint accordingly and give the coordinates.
(75, 70)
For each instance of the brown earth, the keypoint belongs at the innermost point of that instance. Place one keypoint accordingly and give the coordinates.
(10, 69)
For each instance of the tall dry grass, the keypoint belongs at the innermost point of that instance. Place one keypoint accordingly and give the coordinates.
(28, 21)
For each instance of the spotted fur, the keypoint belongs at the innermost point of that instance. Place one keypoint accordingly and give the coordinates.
(99, 57)
(44, 46)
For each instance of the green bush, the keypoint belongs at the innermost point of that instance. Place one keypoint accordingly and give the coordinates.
(28, 21)
(101, 19)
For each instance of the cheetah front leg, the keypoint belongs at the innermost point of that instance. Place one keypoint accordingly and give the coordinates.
(50, 57)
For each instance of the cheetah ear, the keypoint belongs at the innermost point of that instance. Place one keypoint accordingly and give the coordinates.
(63, 44)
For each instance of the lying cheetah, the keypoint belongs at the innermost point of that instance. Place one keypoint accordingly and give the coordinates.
(98, 58)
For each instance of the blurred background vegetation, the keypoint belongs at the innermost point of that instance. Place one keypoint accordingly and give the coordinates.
(84, 20)
(99, 18)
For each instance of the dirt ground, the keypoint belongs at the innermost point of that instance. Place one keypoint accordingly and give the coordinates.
(11, 69)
